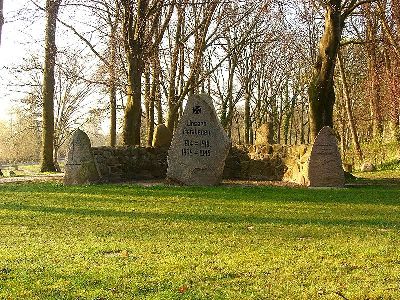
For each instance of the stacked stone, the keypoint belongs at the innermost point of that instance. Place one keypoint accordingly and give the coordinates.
(130, 163)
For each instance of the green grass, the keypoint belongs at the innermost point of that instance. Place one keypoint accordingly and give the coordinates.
(390, 165)
(132, 242)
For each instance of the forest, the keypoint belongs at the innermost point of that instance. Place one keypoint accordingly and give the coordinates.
(128, 66)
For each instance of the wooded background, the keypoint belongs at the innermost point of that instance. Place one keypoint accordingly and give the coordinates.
(297, 65)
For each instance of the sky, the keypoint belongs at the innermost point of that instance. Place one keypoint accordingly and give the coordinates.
(22, 36)
(13, 49)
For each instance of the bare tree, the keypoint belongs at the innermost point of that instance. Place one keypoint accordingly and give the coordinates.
(47, 163)
(349, 111)
(321, 90)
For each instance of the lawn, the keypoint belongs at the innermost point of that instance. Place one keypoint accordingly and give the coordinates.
(163, 242)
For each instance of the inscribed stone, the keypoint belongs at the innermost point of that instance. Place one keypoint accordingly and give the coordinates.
(325, 165)
(199, 145)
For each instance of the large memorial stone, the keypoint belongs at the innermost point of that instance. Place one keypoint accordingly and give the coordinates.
(325, 164)
(80, 167)
(199, 145)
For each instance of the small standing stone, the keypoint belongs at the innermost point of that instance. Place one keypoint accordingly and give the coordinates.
(325, 164)
(162, 137)
(368, 167)
(265, 134)
(80, 167)
(199, 145)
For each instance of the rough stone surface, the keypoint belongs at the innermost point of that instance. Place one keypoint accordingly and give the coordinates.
(367, 167)
(297, 171)
(199, 145)
(325, 164)
(162, 136)
(265, 134)
(122, 164)
(80, 166)
(244, 162)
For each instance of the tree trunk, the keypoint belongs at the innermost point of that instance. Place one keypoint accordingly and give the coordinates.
(247, 123)
(227, 103)
(157, 89)
(56, 164)
(349, 112)
(392, 80)
(172, 115)
(113, 114)
(321, 91)
(149, 100)
(373, 72)
(302, 131)
(113, 78)
(134, 35)
(47, 163)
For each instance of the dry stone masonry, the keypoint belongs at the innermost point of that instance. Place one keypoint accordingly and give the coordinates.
(80, 167)
(199, 145)
(244, 162)
(124, 164)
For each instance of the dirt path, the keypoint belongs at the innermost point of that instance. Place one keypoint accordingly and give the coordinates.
(58, 177)
(33, 178)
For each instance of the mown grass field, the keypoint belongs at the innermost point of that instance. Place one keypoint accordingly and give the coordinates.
(163, 242)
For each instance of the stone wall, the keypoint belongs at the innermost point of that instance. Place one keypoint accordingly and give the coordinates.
(130, 163)
(261, 162)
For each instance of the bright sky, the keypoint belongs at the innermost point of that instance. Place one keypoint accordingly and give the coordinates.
(13, 49)
(22, 36)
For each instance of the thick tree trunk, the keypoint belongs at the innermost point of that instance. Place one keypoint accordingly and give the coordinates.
(133, 109)
(47, 163)
(134, 35)
(349, 111)
(321, 90)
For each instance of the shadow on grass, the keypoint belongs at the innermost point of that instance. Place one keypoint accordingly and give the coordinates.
(377, 182)
(209, 218)
(129, 193)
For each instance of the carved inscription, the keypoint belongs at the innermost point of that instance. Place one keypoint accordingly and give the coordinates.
(196, 136)
(199, 145)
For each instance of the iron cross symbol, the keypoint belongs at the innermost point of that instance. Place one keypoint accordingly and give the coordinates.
(197, 110)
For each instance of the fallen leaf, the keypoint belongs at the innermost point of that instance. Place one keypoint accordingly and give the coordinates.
(183, 289)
